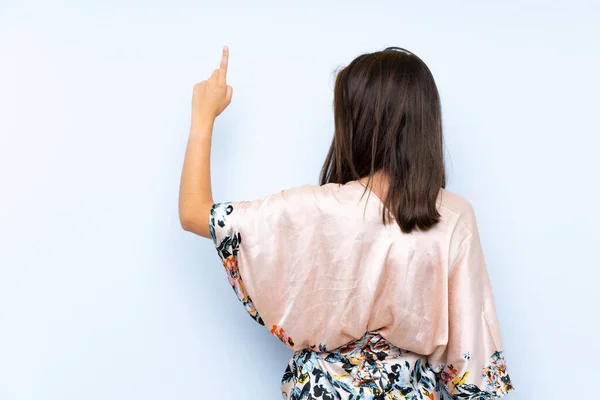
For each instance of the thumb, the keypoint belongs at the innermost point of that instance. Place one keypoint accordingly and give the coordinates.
(229, 93)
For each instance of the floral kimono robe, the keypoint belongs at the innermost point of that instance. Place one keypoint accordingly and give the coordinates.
(370, 312)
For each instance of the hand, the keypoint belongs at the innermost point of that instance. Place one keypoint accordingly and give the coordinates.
(212, 96)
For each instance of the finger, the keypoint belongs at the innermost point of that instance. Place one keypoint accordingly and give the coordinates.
(229, 93)
(223, 66)
(215, 75)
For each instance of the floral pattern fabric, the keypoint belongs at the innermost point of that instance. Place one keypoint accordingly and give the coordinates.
(367, 368)
(372, 368)
(227, 248)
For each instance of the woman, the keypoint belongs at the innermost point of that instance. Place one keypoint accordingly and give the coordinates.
(381, 297)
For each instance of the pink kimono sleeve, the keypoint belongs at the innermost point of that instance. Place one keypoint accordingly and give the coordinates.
(472, 365)
(227, 238)
(250, 239)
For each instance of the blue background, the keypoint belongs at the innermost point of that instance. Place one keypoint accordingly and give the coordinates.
(104, 296)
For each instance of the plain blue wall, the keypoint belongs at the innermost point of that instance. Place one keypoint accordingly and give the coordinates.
(104, 296)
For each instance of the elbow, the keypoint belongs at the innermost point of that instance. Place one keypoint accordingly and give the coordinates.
(195, 219)
(186, 221)
(186, 224)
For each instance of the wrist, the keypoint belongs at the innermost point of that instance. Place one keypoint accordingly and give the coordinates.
(202, 123)
(203, 116)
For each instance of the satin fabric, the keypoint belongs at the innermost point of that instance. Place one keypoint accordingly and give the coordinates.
(319, 269)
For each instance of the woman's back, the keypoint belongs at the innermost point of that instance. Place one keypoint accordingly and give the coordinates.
(356, 297)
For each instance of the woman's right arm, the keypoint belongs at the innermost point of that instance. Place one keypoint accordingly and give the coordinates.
(210, 99)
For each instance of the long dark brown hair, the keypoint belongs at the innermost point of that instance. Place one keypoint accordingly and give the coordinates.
(388, 118)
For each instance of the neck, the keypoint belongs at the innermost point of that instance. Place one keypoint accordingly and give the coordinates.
(379, 183)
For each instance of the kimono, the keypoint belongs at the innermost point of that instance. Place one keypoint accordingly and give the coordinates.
(369, 311)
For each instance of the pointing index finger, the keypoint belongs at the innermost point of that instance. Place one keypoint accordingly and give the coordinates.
(223, 66)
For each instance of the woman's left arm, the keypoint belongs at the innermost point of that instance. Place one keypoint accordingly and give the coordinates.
(210, 98)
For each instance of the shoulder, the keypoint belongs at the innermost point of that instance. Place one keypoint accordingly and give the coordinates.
(456, 207)
(463, 229)
(305, 198)
(328, 200)
(292, 200)
(311, 191)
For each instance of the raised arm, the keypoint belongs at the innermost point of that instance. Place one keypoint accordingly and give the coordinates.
(209, 100)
